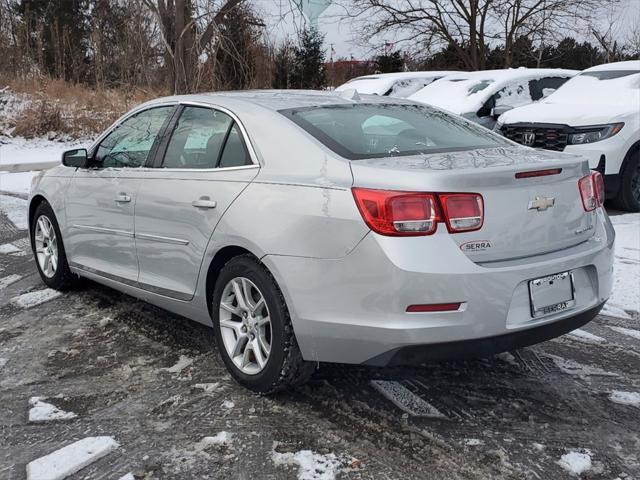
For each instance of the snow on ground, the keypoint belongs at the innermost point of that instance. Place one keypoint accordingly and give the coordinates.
(576, 463)
(571, 367)
(626, 294)
(9, 248)
(182, 363)
(8, 280)
(70, 459)
(626, 331)
(128, 476)
(221, 438)
(21, 150)
(15, 209)
(3, 362)
(311, 465)
(31, 299)
(586, 337)
(42, 411)
(16, 182)
(625, 398)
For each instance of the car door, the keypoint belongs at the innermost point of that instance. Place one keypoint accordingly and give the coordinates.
(203, 165)
(101, 199)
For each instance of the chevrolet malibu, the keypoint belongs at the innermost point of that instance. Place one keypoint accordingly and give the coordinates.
(314, 227)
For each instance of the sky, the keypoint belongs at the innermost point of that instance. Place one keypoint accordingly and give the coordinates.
(283, 20)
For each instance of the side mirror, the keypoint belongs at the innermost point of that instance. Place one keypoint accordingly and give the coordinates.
(499, 110)
(75, 158)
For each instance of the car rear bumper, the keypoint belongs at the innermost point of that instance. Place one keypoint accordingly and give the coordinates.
(483, 347)
(353, 309)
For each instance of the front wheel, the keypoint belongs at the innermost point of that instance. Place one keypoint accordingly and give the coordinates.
(48, 249)
(253, 329)
(629, 195)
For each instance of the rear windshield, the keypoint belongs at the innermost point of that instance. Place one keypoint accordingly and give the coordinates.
(363, 131)
(609, 75)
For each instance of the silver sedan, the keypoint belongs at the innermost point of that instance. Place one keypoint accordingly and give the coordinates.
(316, 227)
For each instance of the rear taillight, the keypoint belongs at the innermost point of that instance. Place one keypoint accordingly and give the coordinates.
(463, 212)
(394, 213)
(592, 191)
(598, 184)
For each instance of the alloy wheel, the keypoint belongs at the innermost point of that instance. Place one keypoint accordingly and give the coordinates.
(245, 325)
(46, 245)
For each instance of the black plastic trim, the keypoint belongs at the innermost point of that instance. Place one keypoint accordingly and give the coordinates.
(482, 347)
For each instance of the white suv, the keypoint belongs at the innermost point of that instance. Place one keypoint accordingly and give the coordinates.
(595, 114)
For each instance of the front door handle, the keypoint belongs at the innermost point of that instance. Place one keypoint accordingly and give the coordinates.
(204, 202)
(123, 198)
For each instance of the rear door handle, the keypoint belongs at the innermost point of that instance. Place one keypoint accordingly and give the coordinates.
(204, 202)
(123, 198)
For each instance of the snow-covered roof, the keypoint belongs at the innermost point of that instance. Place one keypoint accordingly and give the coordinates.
(381, 83)
(467, 91)
(623, 91)
(608, 67)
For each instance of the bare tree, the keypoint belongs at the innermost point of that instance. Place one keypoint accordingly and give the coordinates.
(186, 34)
(468, 27)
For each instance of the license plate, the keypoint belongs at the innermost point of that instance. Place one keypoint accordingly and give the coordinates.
(551, 294)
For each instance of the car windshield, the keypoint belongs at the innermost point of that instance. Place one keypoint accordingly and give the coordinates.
(363, 131)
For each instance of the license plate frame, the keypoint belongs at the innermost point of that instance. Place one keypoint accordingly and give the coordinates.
(552, 294)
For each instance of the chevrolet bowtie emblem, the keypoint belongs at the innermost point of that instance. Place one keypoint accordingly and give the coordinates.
(542, 203)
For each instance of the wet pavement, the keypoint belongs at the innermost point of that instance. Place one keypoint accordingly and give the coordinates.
(152, 381)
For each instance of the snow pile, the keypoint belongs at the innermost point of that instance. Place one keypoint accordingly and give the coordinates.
(70, 459)
(128, 476)
(3, 362)
(576, 463)
(626, 331)
(182, 363)
(625, 294)
(571, 367)
(311, 466)
(222, 438)
(586, 337)
(209, 387)
(42, 411)
(32, 299)
(14, 208)
(9, 248)
(625, 398)
(8, 280)
(228, 404)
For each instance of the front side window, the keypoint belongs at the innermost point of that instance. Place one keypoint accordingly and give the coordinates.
(362, 131)
(197, 140)
(129, 144)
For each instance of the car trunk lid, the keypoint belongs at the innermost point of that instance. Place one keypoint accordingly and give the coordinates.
(522, 216)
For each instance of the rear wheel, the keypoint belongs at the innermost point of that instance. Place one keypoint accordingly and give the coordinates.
(253, 328)
(629, 195)
(48, 249)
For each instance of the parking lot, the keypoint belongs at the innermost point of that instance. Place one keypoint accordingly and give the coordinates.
(152, 382)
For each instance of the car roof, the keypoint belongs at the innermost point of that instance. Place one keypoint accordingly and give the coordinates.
(402, 75)
(628, 65)
(276, 99)
(506, 74)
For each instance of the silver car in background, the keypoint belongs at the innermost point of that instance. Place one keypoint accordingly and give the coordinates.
(314, 227)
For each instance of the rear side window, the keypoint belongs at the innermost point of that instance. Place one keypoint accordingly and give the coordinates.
(197, 139)
(361, 131)
(235, 152)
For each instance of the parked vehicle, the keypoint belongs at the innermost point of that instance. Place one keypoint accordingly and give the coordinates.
(596, 115)
(400, 85)
(307, 227)
(483, 96)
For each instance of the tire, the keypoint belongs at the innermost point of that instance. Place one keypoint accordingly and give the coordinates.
(62, 278)
(284, 367)
(628, 197)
